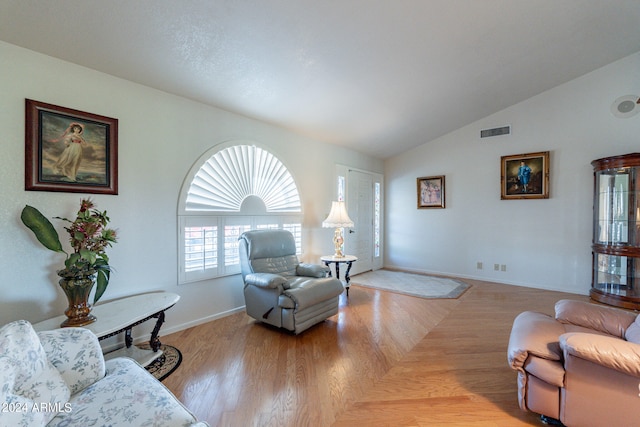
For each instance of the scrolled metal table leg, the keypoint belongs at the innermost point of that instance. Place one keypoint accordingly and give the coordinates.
(154, 341)
(128, 340)
(346, 275)
(327, 264)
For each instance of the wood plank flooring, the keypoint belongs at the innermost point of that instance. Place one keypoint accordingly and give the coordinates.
(385, 360)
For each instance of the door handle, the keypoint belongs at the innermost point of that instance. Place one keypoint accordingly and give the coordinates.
(351, 231)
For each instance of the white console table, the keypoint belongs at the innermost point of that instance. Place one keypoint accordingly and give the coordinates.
(121, 315)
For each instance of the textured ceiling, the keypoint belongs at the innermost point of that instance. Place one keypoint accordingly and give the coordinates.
(379, 76)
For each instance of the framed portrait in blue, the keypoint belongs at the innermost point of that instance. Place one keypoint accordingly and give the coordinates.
(525, 176)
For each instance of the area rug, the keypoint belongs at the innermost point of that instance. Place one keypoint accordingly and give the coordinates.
(417, 285)
(166, 364)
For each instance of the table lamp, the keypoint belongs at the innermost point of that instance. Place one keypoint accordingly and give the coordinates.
(338, 218)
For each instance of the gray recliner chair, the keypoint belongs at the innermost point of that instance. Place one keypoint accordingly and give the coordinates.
(278, 289)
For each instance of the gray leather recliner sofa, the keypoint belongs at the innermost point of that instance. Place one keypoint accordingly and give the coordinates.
(581, 366)
(278, 289)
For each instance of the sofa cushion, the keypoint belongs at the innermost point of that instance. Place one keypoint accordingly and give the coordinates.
(608, 320)
(33, 391)
(76, 354)
(601, 350)
(127, 396)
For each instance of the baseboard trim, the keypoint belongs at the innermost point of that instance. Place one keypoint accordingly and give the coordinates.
(176, 328)
(207, 319)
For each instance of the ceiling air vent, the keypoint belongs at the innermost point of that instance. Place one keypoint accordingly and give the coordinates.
(504, 130)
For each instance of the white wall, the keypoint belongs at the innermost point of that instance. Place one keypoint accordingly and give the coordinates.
(544, 243)
(160, 137)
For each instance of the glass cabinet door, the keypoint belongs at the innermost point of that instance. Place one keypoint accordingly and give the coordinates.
(612, 207)
(616, 236)
(617, 274)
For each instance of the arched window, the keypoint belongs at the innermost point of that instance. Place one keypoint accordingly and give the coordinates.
(232, 189)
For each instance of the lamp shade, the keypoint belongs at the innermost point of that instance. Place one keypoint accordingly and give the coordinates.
(338, 216)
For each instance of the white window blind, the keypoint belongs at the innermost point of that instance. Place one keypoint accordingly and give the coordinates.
(225, 180)
(240, 188)
(201, 248)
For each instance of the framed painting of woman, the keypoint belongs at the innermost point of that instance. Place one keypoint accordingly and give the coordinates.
(431, 192)
(69, 150)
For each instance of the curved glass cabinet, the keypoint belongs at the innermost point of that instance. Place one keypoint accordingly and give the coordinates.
(616, 231)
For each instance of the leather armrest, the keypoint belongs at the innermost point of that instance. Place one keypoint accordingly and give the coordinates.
(607, 351)
(309, 292)
(312, 270)
(603, 319)
(265, 280)
(534, 334)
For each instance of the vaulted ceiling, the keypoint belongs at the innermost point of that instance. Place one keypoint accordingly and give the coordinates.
(378, 76)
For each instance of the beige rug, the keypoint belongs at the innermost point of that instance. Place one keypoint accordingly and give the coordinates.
(417, 285)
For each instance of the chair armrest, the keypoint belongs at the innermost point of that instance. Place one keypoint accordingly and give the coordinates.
(311, 291)
(607, 351)
(603, 319)
(534, 334)
(76, 354)
(312, 270)
(265, 280)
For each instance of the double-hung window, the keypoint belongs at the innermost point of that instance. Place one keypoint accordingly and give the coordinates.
(229, 191)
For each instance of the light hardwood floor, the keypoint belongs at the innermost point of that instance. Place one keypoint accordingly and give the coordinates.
(385, 360)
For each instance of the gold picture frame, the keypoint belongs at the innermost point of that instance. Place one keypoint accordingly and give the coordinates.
(69, 150)
(431, 192)
(525, 176)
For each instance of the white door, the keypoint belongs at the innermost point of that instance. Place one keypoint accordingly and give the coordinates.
(359, 240)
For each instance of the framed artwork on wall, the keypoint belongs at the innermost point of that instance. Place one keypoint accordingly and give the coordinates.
(69, 150)
(431, 192)
(525, 176)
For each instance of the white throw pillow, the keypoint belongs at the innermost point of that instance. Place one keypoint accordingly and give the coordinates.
(32, 390)
(632, 333)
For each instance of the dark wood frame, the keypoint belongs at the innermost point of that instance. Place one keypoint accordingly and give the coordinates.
(44, 122)
(440, 202)
(537, 188)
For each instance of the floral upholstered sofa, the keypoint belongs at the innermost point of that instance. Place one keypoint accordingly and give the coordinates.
(60, 378)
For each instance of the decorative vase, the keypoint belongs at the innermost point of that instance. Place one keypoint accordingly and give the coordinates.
(77, 289)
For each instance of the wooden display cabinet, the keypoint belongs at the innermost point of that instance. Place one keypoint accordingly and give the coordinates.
(616, 231)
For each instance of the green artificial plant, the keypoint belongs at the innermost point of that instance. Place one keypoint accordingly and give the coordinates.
(88, 236)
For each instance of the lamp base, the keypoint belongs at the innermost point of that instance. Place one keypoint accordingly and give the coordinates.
(338, 240)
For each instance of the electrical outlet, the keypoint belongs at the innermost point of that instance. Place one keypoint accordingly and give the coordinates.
(479, 265)
(503, 267)
(496, 267)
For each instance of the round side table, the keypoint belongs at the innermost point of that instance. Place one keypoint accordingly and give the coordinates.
(347, 259)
